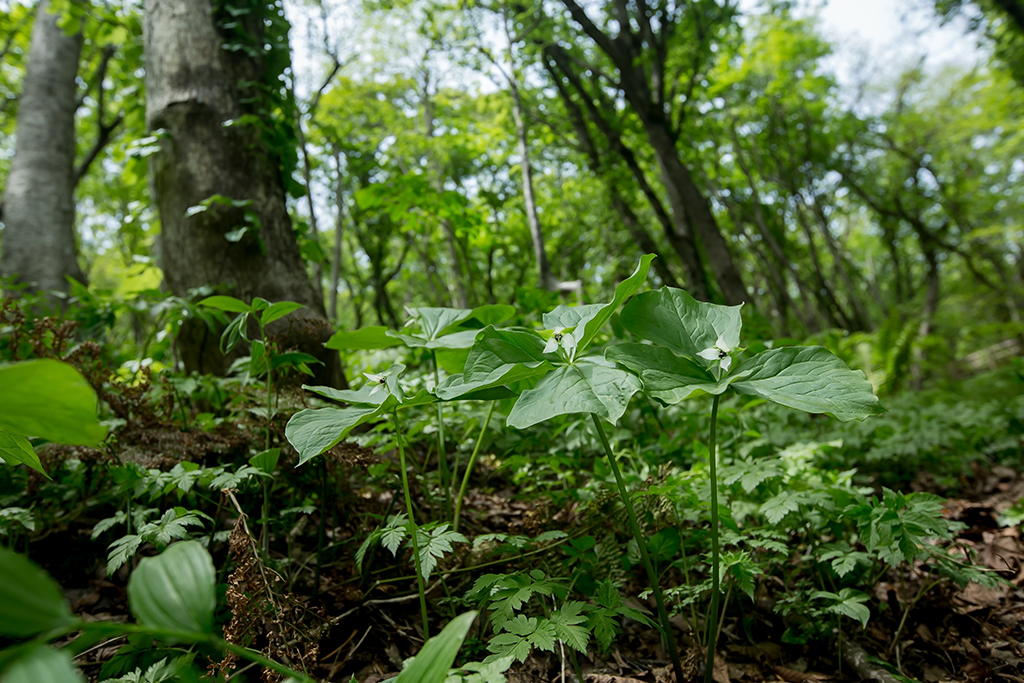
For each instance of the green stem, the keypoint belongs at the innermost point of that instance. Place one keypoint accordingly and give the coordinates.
(112, 628)
(712, 624)
(641, 542)
(265, 518)
(321, 530)
(265, 512)
(213, 526)
(442, 460)
(469, 468)
(412, 526)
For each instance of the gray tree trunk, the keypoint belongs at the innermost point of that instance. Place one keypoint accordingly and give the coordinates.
(192, 89)
(39, 207)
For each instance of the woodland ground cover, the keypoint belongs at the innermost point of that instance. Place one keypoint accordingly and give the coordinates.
(837, 558)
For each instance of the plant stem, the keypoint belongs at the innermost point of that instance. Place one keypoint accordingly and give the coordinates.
(320, 531)
(712, 625)
(442, 460)
(641, 543)
(412, 526)
(469, 468)
(265, 512)
(213, 525)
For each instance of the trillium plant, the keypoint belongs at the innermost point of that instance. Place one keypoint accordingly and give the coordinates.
(687, 349)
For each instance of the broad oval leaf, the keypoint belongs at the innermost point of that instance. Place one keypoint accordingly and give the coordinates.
(16, 450)
(311, 432)
(42, 664)
(435, 323)
(666, 376)
(49, 399)
(30, 601)
(432, 663)
(583, 387)
(495, 349)
(674, 319)
(175, 590)
(362, 395)
(363, 339)
(278, 311)
(226, 303)
(457, 387)
(266, 461)
(588, 320)
(808, 378)
(463, 339)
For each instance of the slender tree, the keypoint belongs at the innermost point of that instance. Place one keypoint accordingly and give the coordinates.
(39, 208)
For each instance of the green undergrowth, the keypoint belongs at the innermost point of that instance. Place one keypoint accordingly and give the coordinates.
(702, 499)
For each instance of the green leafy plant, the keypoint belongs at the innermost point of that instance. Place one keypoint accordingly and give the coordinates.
(692, 353)
(48, 399)
(172, 595)
(311, 432)
(264, 358)
(446, 333)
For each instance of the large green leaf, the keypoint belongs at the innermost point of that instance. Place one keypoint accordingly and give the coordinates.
(16, 450)
(30, 601)
(278, 311)
(175, 590)
(458, 387)
(809, 378)
(495, 349)
(435, 323)
(363, 395)
(588, 320)
(432, 663)
(499, 358)
(463, 339)
(676, 320)
(583, 387)
(311, 432)
(226, 303)
(666, 376)
(362, 339)
(42, 664)
(49, 399)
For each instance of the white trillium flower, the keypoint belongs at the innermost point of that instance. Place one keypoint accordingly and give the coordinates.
(555, 340)
(379, 381)
(720, 352)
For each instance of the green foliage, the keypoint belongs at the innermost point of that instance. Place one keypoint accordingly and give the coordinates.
(432, 663)
(30, 601)
(47, 399)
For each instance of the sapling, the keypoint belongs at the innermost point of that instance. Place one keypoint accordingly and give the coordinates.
(264, 358)
(692, 354)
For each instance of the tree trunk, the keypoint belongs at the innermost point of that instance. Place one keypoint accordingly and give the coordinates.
(39, 206)
(339, 232)
(677, 231)
(545, 278)
(459, 295)
(193, 87)
(689, 203)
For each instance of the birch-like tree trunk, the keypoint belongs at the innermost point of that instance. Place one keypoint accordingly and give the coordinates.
(38, 246)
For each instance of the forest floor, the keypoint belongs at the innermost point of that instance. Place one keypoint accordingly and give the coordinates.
(363, 626)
